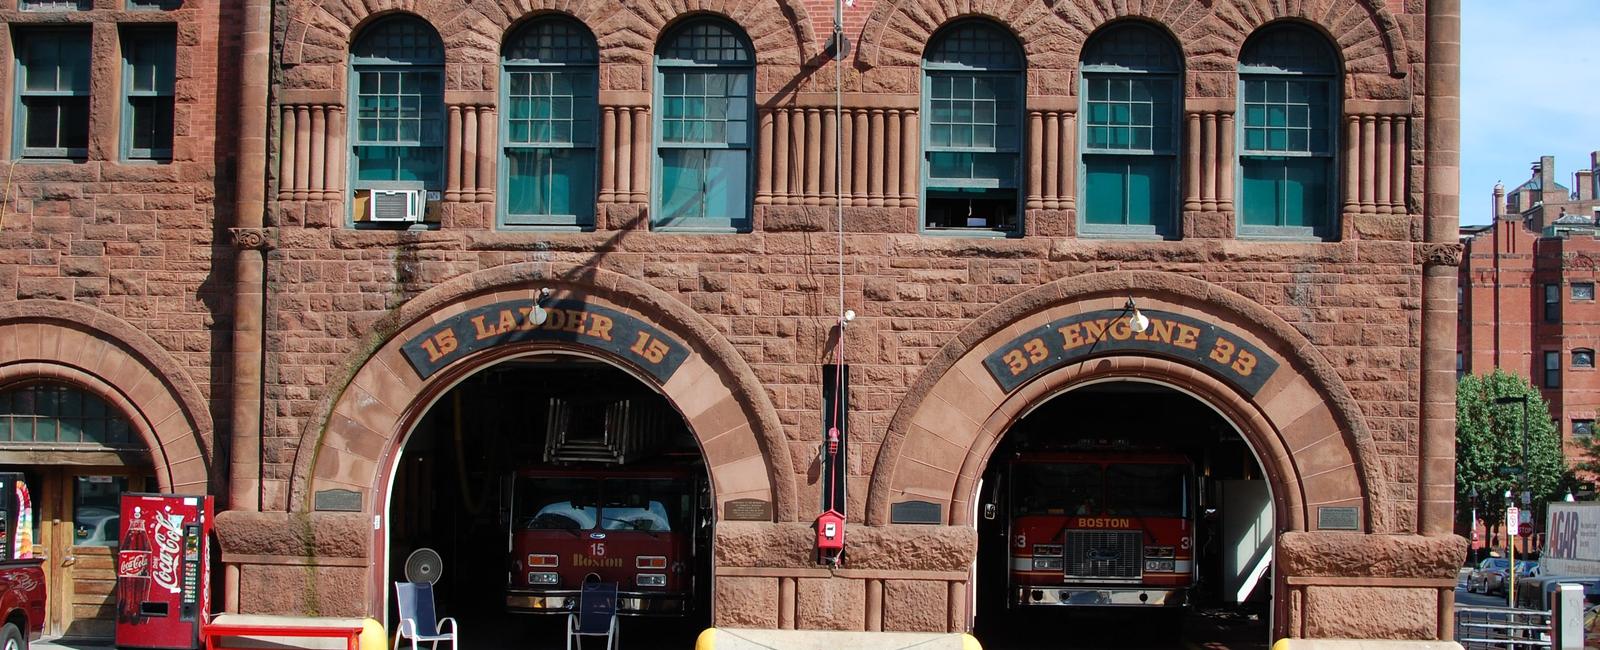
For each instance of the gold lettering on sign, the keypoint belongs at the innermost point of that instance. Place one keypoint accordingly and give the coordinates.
(1188, 336)
(1016, 361)
(1036, 350)
(1071, 337)
(1160, 331)
(601, 327)
(439, 345)
(1223, 353)
(651, 349)
(1093, 330)
(1245, 364)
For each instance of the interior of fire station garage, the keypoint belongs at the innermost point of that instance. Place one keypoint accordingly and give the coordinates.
(532, 475)
(1124, 463)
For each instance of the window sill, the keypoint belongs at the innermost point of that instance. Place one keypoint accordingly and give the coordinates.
(1086, 231)
(543, 227)
(979, 233)
(698, 230)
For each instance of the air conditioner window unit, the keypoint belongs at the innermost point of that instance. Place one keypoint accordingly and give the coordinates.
(395, 206)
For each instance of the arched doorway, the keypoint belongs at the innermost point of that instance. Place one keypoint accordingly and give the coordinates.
(1130, 499)
(541, 470)
(91, 407)
(1226, 351)
(345, 469)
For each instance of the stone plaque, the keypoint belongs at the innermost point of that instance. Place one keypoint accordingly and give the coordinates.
(916, 512)
(1338, 518)
(337, 501)
(1219, 351)
(747, 510)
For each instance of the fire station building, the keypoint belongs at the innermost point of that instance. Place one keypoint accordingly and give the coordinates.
(382, 274)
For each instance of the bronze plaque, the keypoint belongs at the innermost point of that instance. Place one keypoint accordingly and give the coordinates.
(337, 501)
(916, 512)
(1338, 518)
(747, 510)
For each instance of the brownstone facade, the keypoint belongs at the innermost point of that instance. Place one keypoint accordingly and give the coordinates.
(1359, 414)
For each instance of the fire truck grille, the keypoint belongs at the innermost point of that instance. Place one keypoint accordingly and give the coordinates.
(1104, 554)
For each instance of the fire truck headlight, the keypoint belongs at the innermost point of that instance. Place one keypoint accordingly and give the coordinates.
(1044, 563)
(1159, 566)
(651, 580)
(544, 578)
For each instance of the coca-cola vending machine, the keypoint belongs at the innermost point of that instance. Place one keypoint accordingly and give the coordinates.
(163, 576)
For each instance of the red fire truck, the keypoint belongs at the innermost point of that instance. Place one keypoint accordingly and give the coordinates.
(639, 527)
(1100, 528)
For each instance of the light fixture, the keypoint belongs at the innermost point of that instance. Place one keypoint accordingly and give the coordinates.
(1137, 322)
(538, 316)
(849, 315)
(1568, 498)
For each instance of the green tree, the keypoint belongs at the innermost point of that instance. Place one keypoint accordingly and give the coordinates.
(1489, 445)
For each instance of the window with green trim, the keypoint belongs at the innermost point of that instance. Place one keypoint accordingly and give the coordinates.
(52, 413)
(1288, 103)
(52, 110)
(972, 135)
(705, 73)
(149, 55)
(397, 88)
(549, 83)
(57, 5)
(1131, 104)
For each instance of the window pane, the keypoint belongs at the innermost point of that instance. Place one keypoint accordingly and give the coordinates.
(1129, 190)
(549, 183)
(95, 509)
(1583, 291)
(1286, 192)
(703, 186)
(683, 173)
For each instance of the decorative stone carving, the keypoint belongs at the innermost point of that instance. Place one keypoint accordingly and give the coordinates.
(1440, 254)
(259, 239)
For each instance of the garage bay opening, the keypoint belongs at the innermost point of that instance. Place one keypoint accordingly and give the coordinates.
(1124, 514)
(535, 475)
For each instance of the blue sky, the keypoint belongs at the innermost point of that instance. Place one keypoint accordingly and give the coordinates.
(1529, 87)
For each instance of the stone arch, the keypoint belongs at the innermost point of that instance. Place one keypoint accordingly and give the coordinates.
(367, 411)
(105, 355)
(1211, 33)
(1304, 421)
(320, 31)
(897, 32)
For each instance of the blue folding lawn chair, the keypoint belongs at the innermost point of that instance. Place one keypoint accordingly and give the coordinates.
(417, 617)
(596, 615)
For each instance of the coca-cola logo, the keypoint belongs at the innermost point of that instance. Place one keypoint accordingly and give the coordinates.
(169, 549)
(133, 564)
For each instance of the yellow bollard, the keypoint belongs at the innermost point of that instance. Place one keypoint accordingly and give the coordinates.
(373, 636)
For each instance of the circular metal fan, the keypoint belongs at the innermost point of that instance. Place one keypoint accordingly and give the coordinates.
(424, 565)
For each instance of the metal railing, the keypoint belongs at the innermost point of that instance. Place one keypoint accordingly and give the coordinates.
(1502, 628)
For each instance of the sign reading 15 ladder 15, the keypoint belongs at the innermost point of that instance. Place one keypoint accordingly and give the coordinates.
(569, 321)
(1224, 353)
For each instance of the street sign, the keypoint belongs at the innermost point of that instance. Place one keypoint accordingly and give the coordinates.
(1513, 515)
(1525, 529)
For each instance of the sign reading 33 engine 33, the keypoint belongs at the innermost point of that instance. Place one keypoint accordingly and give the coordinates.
(565, 320)
(1070, 340)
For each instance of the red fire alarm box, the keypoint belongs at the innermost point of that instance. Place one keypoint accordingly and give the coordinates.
(163, 576)
(830, 532)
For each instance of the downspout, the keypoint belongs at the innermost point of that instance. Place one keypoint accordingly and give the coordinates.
(249, 303)
(1441, 260)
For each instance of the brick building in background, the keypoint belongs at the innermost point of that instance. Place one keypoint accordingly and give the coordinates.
(117, 136)
(692, 193)
(1528, 293)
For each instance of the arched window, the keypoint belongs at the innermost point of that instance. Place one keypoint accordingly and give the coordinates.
(548, 88)
(1131, 99)
(397, 126)
(1288, 108)
(1583, 358)
(972, 77)
(705, 78)
(52, 413)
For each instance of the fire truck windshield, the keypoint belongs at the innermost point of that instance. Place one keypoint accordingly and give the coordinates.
(650, 505)
(1126, 489)
(1146, 490)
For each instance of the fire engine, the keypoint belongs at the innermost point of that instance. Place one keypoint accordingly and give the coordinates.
(1098, 528)
(635, 526)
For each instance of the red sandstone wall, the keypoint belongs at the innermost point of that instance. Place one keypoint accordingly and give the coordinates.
(771, 292)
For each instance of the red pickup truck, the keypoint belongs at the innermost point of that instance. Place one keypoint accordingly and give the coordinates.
(22, 596)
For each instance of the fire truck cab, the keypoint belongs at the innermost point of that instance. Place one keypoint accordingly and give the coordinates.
(634, 526)
(1097, 527)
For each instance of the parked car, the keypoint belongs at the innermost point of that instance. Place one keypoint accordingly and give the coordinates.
(1526, 570)
(1498, 581)
(1536, 592)
(1478, 580)
(22, 595)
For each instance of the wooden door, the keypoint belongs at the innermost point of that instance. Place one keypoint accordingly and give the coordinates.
(86, 535)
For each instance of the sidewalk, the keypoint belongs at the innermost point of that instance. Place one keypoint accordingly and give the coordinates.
(56, 643)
